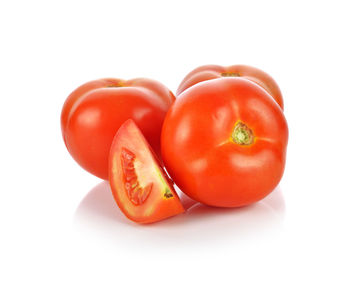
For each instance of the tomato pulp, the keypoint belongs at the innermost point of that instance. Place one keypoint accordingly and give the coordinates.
(139, 184)
(224, 142)
(256, 75)
(93, 113)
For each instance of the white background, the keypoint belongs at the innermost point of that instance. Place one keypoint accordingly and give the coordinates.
(59, 224)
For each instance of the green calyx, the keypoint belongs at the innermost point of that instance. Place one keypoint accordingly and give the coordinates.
(242, 134)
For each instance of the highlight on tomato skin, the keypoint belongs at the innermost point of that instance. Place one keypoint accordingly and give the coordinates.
(209, 72)
(79, 92)
(224, 142)
(92, 114)
(139, 184)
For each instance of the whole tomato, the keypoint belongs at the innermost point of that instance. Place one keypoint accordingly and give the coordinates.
(93, 113)
(224, 142)
(256, 75)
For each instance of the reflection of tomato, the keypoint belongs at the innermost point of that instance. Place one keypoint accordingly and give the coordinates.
(208, 72)
(224, 142)
(93, 113)
(139, 184)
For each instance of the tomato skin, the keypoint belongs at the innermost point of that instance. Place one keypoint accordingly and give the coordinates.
(198, 150)
(81, 91)
(156, 207)
(93, 113)
(208, 72)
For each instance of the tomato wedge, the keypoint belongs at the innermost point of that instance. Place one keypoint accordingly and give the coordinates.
(139, 184)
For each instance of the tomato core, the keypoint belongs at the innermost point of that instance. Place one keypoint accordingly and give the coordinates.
(136, 193)
(230, 74)
(242, 134)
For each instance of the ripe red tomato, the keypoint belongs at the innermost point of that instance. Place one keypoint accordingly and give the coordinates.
(208, 72)
(81, 91)
(139, 184)
(93, 113)
(224, 142)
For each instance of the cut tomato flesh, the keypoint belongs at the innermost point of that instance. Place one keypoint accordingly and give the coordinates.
(139, 184)
(136, 194)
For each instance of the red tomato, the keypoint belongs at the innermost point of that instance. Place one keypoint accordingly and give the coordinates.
(93, 113)
(81, 91)
(224, 142)
(208, 72)
(139, 184)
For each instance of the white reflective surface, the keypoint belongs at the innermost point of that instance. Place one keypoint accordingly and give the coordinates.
(200, 224)
(60, 226)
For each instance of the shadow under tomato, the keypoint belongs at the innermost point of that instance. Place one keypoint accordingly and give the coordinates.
(99, 203)
(199, 223)
(266, 213)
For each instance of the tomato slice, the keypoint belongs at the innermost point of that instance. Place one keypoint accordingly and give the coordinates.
(139, 184)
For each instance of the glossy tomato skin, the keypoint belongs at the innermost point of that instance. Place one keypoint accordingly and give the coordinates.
(199, 151)
(93, 113)
(208, 72)
(80, 92)
(142, 170)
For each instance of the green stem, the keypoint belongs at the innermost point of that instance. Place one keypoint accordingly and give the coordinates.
(242, 134)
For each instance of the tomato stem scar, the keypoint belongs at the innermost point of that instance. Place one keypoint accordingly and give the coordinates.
(167, 193)
(242, 134)
(230, 74)
(121, 83)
